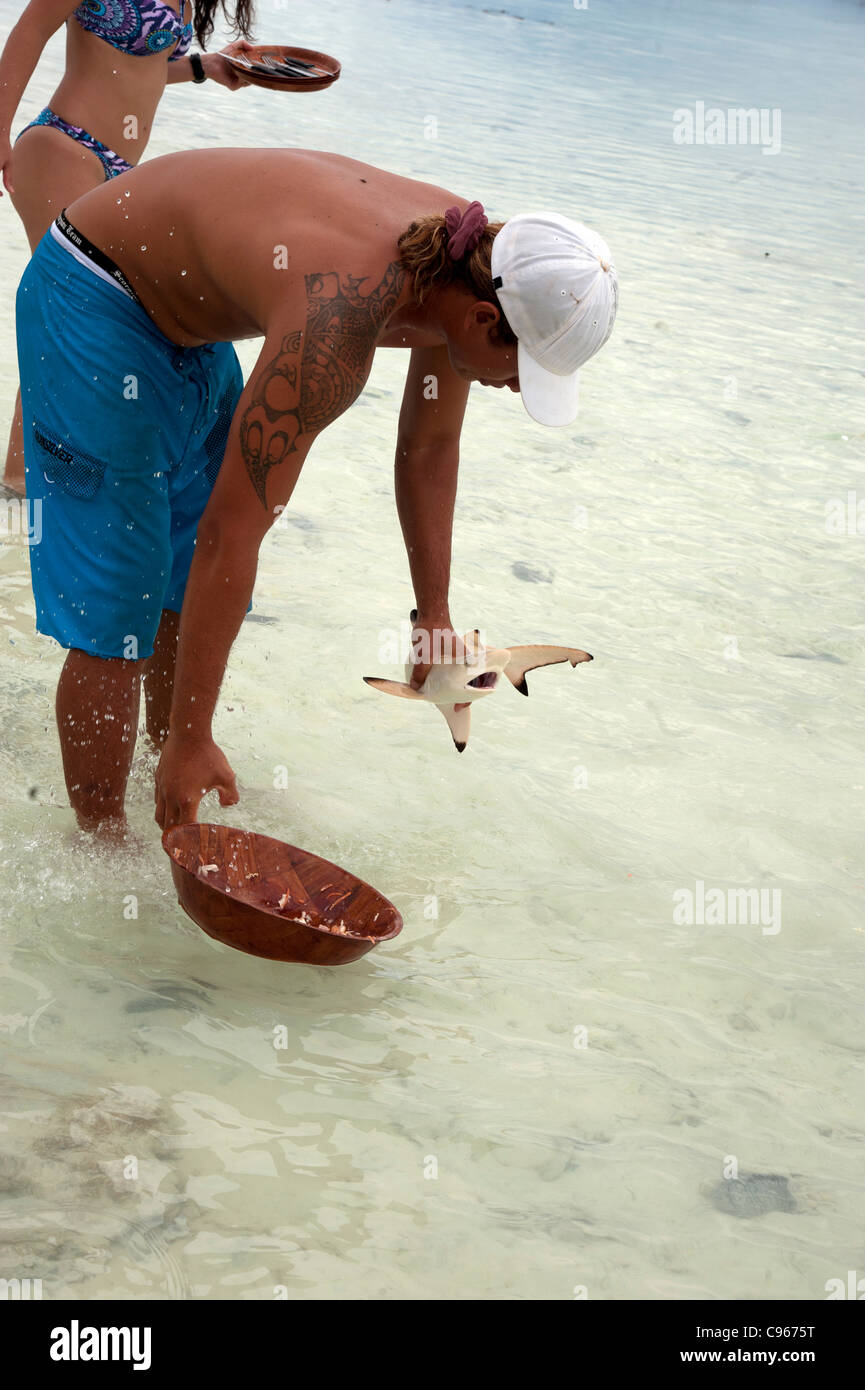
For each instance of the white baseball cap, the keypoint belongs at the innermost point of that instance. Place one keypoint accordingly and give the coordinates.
(559, 290)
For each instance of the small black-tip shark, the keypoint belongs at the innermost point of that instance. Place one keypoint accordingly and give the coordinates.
(453, 685)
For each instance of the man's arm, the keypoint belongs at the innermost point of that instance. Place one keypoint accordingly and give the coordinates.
(305, 378)
(427, 464)
(266, 449)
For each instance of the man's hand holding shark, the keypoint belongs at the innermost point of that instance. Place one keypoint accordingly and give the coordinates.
(150, 512)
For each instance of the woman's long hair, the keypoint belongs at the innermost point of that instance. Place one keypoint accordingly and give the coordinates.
(239, 18)
(423, 252)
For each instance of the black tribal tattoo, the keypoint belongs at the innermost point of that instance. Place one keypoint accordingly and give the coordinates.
(319, 371)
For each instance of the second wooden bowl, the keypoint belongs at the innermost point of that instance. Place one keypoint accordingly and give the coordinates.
(330, 67)
(274, 900)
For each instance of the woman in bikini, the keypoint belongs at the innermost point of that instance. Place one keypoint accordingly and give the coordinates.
(105, 103)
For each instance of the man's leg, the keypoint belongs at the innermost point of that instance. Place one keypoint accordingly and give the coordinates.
(159, 677)
(97, 719)
(100, 461)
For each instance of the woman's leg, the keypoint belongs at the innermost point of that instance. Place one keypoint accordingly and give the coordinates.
(13, 475)
(97, 719)
(49, 171)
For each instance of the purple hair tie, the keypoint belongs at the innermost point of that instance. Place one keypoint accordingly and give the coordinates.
(464, 229)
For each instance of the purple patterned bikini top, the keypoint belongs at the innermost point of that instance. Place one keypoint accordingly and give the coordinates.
(138, 27)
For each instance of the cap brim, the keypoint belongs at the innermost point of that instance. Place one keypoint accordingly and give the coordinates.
(549, 399)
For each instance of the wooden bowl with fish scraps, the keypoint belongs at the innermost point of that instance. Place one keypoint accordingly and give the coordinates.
(274, 900)
(286, 69)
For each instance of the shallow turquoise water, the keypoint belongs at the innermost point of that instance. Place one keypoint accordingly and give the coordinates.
(679, 533)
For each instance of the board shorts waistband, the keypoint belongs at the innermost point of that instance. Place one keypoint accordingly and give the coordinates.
(82, 248)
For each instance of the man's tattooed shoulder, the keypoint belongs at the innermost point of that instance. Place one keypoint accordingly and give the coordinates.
(319, 370)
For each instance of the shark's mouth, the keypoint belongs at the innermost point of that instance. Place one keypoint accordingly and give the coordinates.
(484, 682)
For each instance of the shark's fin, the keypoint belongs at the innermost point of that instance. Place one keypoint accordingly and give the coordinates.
(400, 688)
(525, 659)
(459, 718)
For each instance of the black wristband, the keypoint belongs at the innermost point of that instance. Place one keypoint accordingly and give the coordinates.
(198, 73)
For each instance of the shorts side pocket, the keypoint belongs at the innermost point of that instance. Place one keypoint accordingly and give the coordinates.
(74, 471)
(217, 437)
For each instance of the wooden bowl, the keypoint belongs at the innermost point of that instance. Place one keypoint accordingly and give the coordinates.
(327, 917)
(286, 84)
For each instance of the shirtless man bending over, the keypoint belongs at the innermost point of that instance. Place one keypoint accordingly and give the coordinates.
(160, 473)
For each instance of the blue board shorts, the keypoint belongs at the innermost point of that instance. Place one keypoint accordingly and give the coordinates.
(124, 434)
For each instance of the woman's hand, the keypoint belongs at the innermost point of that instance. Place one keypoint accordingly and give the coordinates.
(218, 69)
(6, 164)
(187, 772)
